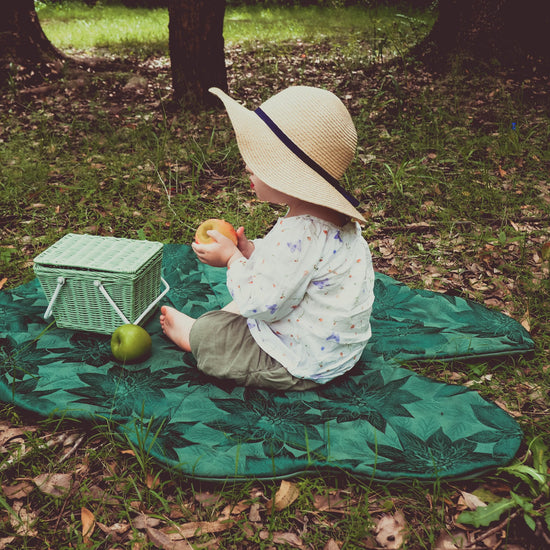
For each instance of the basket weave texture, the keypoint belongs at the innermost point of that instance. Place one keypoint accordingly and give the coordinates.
(129, 270)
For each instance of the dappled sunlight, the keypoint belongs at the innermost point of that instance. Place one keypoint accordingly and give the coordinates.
(380, 33)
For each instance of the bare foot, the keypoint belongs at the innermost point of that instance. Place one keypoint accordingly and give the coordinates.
(177, 326)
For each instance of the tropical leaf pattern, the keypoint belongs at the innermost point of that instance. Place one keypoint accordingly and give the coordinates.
(380, 420)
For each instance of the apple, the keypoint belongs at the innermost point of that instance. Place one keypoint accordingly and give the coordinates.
(225, 228)
(131, 343)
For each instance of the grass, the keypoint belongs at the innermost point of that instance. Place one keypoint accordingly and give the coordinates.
(144, 32)
(71, 25)
(452, 172)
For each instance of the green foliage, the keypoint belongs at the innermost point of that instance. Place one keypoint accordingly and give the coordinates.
(535, 478)
(485, 515)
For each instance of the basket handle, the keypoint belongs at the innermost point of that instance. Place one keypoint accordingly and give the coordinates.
(49, 309)
(154, 302)
(103, 291)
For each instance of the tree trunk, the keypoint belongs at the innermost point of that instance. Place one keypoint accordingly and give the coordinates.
(22, 41)
(513, 32)
(196, 49)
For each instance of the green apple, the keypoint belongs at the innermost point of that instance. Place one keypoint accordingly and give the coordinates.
(131, 343)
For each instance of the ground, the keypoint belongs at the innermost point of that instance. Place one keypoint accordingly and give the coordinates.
(498, 255)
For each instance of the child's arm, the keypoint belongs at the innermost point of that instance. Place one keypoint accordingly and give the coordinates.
(243, 244)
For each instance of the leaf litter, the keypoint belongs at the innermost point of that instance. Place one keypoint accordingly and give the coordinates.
(417, 250)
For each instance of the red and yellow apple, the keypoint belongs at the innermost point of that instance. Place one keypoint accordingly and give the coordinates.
(131, 343)
(225, 228)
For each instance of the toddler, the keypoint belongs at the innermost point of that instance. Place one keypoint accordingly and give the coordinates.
(302, 295)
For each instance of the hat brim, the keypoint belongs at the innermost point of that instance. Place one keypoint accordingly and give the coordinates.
(276, 165)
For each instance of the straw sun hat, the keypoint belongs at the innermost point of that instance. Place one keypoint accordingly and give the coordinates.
(300, 142)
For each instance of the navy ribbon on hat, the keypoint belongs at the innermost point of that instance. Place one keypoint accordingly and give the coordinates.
(304, 157)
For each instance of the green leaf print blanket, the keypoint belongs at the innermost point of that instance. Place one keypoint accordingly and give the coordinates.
(380, 420)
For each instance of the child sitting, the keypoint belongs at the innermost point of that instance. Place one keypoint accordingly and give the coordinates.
(302, 295)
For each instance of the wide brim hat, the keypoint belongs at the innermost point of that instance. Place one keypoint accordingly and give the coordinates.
(300, 142)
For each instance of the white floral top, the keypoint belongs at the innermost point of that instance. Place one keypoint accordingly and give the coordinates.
(307, 292)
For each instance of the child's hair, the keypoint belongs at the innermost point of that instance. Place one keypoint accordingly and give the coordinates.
(300, 142)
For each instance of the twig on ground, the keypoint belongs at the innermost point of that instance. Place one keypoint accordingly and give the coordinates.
(71, 451)
(500, 526)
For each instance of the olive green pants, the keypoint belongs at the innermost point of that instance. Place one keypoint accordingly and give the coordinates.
(224, 348)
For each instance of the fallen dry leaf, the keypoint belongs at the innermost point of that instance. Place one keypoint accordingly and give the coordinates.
(116, 528)
(331, 501)
(526, 321)
(451, 541)
(207, 499)
(5, 541)
(504, 407)
(331, 545)
(18, 491)
(197, 528)
(283, 538)
(235, 509)
(22, 520)
(7, 433)
(101, 494)
(88, 524)
(254, 515)
(162, 540)
(492, 541)
(288, 538)
(391, 530)
(470, 501)
(286, 494)
(152, 481)
(143, 522)
(55, 485)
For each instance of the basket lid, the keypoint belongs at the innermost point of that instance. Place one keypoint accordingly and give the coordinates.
(93, 252)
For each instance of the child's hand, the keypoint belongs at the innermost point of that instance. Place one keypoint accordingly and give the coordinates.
(245, 246)
(216, 254)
